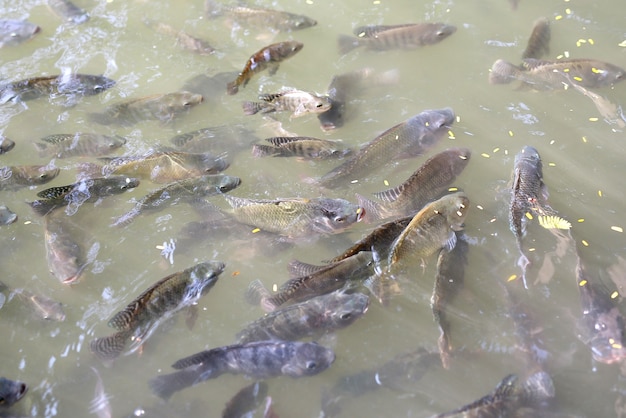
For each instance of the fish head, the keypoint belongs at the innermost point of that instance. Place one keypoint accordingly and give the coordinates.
(438, 32)
(610, 75)
(6, 144)
(114, 185)
(289, 48)
(336, 214)
(35, 174)
(440, 118)
(607, 337)
(227, 183)
(333, 118)
(188, 99)
(348, 308)
(11, 391)
(203, 277)
(17, 31)
(456, 210)
(114, 142)
(528, 155)
(299, 22)
(308, 359)
(99, 84)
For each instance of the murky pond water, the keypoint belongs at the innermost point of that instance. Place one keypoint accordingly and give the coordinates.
(583, 168)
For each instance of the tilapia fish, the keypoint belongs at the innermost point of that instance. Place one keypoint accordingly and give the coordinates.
(14, 32)
(266, 58)
(163, 167)
(258, 18)
(78, 145)
(528, 197)
(6, 144)
(394, 374)
(43, 306)
(68, 11)
(407, 139)
(296, 217)
(169, 295)
(183, 39)
(325, 313)
(386, 37)
(539, 41)
(305, 147)
(431, 229)
(602, 319)
(11, 391)
(246, 400)
(161, 107)
(550, 75)
(191, 189)
(258, 360)
(321, 281)
(18, 176)
(425, 185)
(74, 195)
(217, 140)
(350, 85)
(65, 252)
(297, 102)
(73, 85)
(510, 395)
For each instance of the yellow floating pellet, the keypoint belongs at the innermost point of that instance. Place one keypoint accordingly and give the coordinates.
(496, 150)
(451, 135)
(453, 189)
(578, 78)
(566, 70)
(552, 164)
(492, 220)
(581, 220)
(593, 119)
(510, 133)
(528, 215)
(578, 44)
(484, 154)
(479, 207)
(386, 182)
(617, 229)
(274, 287)
(585, 243)
(511, 277)
(255, 230)
(590, 41)
(616, 346)
(614, 294)
(309, 2)
(235, 273)
(552, 142)
(531, 249)
(582, 283)
(27, 223)
(599, 193)
(584, 139)
(558, 17)
(568, 11)
(566, 53)
(597, 71)
(622, 44)
(458, 119)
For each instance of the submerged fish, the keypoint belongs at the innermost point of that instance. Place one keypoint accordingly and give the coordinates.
(268, 58)
(6, 144)
(42, 306)
(547, 75)
(394, 374)
(322, 280)
(7, 216)
(161, 107)
(68, 11)
(183, 39)
(296, 217)
(246, 400)
(216, 139)
(64, 241)
(72, 85)
(74, 195)
(100, 404)
(425, 185)
(407, 139)
(448, 282)
(164, 167)
(386, 37)
(14, 32)
(539, 41)
(300, 146)
(18, 176)
(528, 197)
(602, 319)
(259, 18)
(291, 100)
(191, 189)
(321, 314)
(169, 295)
(11, 391)
(431, 229)
(78, 144)
(258, 360)
(347, 86)
(510, 395)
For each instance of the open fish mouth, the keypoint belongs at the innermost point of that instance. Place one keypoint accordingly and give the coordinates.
(360, 214)
(608, 354)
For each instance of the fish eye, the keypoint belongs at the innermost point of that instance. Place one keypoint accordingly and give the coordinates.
(320, 104)
(600, 326)
(345, 316)
(1, 400)
(340, 219)
(98, 88)
(13, 35)
(311, 365)
(43, 176)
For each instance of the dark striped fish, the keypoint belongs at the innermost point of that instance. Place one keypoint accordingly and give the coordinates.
(78, 145)
(425, 185)
(268, 58)
(539, 41)
(164, 298)
(305, 147)
(314, 317)
(71, 85)
(386, 37)
(297, 102)
(410, 138)
(258, 360)
(258, 18)
(218, 140)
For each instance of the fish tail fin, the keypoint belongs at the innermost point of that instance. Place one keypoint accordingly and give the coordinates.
(252, 108)
(110, 347)
(502, 72)
(347, 43)
(232, 88)
(257, 294)
(264, 150)
(165, 385)
(374, 211)
(42, 149)
(42, 207)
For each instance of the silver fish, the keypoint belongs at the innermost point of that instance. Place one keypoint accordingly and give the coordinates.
(78, 144)
(14, 32)
(258, 18)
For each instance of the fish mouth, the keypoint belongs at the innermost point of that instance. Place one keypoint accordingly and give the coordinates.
(608, 355)
(360, 214)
